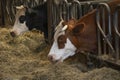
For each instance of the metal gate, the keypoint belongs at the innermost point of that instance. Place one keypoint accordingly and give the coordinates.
(108, 33)
(68, 10)
(8, 9)
(11, 10)
(108, 36)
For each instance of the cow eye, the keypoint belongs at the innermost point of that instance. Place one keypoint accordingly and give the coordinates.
(61, 41)
(22, 18)
(62, 38)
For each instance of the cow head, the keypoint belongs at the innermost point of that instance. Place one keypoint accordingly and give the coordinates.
(20, 23)
(65, 44)
(22, 18)
(74, 36)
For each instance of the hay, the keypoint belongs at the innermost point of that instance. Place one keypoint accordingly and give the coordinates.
(102, 74)
(25, 58)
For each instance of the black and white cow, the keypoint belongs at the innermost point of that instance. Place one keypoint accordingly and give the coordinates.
(28, 18)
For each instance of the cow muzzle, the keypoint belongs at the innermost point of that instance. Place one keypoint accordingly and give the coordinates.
(12, 34)
(52, 59)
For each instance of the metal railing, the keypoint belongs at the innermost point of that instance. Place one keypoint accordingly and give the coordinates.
(68, 10)
(11, 4)
(74, 9)
(117, 35)
(106, 36)
(2, 12)
(108, 32)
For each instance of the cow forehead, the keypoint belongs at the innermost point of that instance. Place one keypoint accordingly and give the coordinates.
(61, 29)
(58, 30)
(59, 34)
(62, 24)
(20, 12)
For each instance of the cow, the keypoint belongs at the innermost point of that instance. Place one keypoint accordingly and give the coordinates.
(29, 18)
(76, 36)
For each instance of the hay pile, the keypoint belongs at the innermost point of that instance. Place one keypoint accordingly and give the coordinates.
(25, 58)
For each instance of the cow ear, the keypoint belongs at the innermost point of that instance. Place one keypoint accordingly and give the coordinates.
(78, 29)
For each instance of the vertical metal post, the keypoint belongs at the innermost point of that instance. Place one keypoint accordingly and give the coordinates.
(65, 10)
(106, 38)
(77, 13)
(49, 13)
(3, 11)
(104, 29)
(98, 33)
(117, 36)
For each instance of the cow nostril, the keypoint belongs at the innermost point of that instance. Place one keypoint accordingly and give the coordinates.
(12, 34)
(50, 58)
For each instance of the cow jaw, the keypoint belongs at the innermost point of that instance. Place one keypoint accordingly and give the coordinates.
(60, 55)
(19, 28)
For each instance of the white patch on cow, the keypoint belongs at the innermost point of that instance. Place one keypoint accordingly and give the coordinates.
(69, 49)
(62, 54)
(58, 30)
(19, 28)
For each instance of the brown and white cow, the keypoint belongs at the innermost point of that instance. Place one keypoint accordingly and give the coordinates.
(76, 35)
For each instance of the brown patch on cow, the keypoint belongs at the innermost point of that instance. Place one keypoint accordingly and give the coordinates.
(61, 41)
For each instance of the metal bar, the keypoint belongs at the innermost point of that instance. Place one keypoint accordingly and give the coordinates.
(78, 10)
(109, 24)
(104, 29)
(94, 2)
(3, 11)
(117, 36)
(54, 12)
(65, 10)
(117, 47)
(90, 7)
(99, 42)
(107, 62)
(116, 20)
(49, 9)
